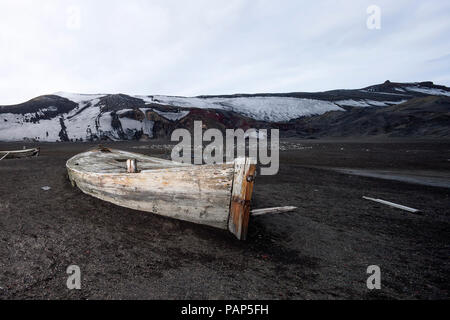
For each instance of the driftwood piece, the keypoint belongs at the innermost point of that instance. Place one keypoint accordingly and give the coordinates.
(244, 176)
(4, 156)
(258, 212)
(395, 205)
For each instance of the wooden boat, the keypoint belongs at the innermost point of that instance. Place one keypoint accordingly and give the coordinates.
(19, 153)
(215, 195)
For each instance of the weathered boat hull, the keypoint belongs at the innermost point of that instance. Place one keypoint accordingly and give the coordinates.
(16, 154)
(198, 194)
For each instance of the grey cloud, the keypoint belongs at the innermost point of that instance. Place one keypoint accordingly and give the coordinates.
(216, 47)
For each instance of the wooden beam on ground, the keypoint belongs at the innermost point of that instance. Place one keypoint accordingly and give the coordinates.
(4, 156)
(259, 212)
(395, 205)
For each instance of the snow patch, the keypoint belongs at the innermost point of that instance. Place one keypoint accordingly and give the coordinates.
(430, 91)
(49, 109)
(352, 103)
(83, 124)
(17, 127)
(79, 97)
(172, 116)
(367, 103)
(147, 127)
(130, 124)
(276, 109)
(147, 99)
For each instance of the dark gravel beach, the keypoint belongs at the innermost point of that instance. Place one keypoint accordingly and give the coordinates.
(320, 251)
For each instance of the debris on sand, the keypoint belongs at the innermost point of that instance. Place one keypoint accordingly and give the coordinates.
(46, 188)
(258, 212)
(391, 204)
(15, 154)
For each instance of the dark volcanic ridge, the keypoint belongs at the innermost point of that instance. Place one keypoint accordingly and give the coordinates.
(390, 109)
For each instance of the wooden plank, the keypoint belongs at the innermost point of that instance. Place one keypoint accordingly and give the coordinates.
(258, 212)
(241, 195)
(4, 156)
(391, 204)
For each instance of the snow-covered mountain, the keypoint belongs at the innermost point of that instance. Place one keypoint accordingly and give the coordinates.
(73, 117)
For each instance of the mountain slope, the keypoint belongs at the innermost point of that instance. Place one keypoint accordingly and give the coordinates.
(394, 109)
(419, 117)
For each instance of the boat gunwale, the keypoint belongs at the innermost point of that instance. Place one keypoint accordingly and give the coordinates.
(177, 167)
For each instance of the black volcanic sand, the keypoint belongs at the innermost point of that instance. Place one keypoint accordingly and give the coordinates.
(320, 251)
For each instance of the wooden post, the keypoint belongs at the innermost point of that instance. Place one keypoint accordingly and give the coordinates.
(241, 195)
(132, 166)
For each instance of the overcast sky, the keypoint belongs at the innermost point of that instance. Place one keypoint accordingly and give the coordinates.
(217, 47)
